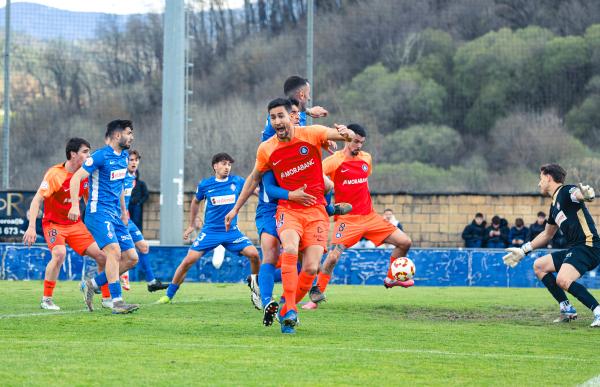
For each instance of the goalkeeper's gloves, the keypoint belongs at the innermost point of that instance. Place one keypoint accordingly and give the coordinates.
(587, 192)
(516, 254)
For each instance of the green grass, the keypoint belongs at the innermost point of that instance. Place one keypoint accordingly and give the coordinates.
(361, 336)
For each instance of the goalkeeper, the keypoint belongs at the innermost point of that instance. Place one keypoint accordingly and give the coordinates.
(569, 213)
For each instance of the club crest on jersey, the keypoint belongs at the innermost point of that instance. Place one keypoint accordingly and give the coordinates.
(232, 187)
(303, 150)
(365, 167)
(89, 161)
(558, 206)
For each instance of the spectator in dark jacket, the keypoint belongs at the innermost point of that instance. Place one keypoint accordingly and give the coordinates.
(538, 226)
(518, 233)
(496, 236)
(474, 233)
(139, 195)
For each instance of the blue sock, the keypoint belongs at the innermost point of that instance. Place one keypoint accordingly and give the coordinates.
(101, 279)
(145, 262)
(277, 275)
(266, 281)
(329, 207)
(115, 290)
(171, 290)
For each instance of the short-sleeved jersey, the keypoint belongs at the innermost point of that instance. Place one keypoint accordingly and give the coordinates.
(220, 197)
(57, 198)
(269, 131)
(128, 186)
(107, 170)
(573, 218)
(350, 177)
(296, 162)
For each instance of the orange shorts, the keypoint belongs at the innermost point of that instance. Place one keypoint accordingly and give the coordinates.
(75, 235)
(349, 229)
(311, 223)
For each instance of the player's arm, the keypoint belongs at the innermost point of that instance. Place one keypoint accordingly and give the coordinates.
(276, 192)
(31, 234)
(516, 254)
(583, 193)
(194, 207)
(250, 185)
(124, 212)
(340, 133)
(81, 174)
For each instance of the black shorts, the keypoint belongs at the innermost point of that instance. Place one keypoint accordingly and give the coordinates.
(583, 258)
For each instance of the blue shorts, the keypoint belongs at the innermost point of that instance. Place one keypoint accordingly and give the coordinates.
(233, 241)
(134, 231)
(107, 229)
(265, 222)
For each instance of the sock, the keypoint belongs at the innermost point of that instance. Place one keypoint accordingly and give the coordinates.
(289, 279)
(277, 275)
(100, 279)
(389, 273)
(596, 311)
(266, 281)
(145, 264)
(329, 207)
(582, 294)
(49, 288)
(305, 282)
(322, 281)
(549, 280)
(171, 290)
(115, 291)
(105, 291)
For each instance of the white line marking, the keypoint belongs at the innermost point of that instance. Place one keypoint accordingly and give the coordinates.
(593, 382)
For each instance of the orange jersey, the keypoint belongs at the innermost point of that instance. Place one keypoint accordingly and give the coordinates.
(296, 162)
(57, 198)
(350, 180)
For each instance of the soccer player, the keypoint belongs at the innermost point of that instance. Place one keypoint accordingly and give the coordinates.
(220, 193)
(107, 167)
(569, 214)
(141, 245)
(59, 230)
(349, 169)
(294, 156)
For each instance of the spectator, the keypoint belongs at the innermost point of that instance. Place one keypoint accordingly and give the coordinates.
(474, 233)
(139, 195)
(496, 235)
(518, 233)
(388, 215)
(538, 226)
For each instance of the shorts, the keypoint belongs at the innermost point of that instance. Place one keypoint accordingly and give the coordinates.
(233, 240)
(265, 222)
(349, 229)
(134, 231)
(311, 223)
(583, 258)
(107, 229)
(75, 235)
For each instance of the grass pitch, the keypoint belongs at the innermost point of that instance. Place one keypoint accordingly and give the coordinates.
(363, 335)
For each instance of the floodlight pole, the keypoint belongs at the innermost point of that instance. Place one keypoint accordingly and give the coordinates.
(310, 13)
(6, 118)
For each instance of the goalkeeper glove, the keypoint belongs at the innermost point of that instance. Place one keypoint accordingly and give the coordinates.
(516, 254)
(587, 192)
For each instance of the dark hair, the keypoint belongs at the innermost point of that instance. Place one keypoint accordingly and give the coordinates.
(541, 213)
(292, 84)
(357, 129)
(280, 102)
(556, 171)
(388, 209)
(479, 215)
(519, 222)
(74, 144)
(221, 157)
(294, 101)
(117, 126)
(136, 153)
(496, 219)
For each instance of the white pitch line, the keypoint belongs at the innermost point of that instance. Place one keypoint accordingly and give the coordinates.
(593, 382)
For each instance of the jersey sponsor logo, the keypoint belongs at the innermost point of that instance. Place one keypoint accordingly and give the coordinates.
(222, 200)
(118, 174)
(240, 239)
(560, 217)
(365, 167)
(355, 181)
(89, 161)
(299, 168)
(44, 185)
(125, 237)
(303, 150)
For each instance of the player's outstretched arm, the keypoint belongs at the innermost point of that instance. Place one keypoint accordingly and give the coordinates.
(585, 193)
(516, 254)
(194, 206)
(317, 112)
(74, 189)
(340, 133)
(31, 235)
(249, 186)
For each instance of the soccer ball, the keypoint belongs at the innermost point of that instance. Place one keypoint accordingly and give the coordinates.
(403, 269)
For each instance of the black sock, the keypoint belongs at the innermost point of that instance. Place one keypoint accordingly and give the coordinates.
(582, 294)
(549, 280)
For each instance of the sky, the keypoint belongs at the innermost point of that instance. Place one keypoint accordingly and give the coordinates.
(122, 7)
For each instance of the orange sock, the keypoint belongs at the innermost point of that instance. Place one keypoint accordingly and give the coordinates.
(305, 282)
(49, 288)
(289, 280)
(389, 273)
(322, 281)
(105, 291)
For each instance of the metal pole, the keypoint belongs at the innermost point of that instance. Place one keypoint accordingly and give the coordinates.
(310, 12)
(6, 130)
(173, 124)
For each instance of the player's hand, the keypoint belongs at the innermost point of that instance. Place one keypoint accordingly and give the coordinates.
(74, 213)
(188, 231)
(30, 236)
(587, 192)
(331, 146)
(514, 256)
(229, 218)
(301, 197)
(317, 112)
(344, 131)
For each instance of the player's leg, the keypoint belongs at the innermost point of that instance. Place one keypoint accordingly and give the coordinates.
(269, 245)
(544, 269)
(317, 292)
(59, 252)
(143, 249)
(190, 259)
(310, 263)
(251, 253)
(94, 252)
